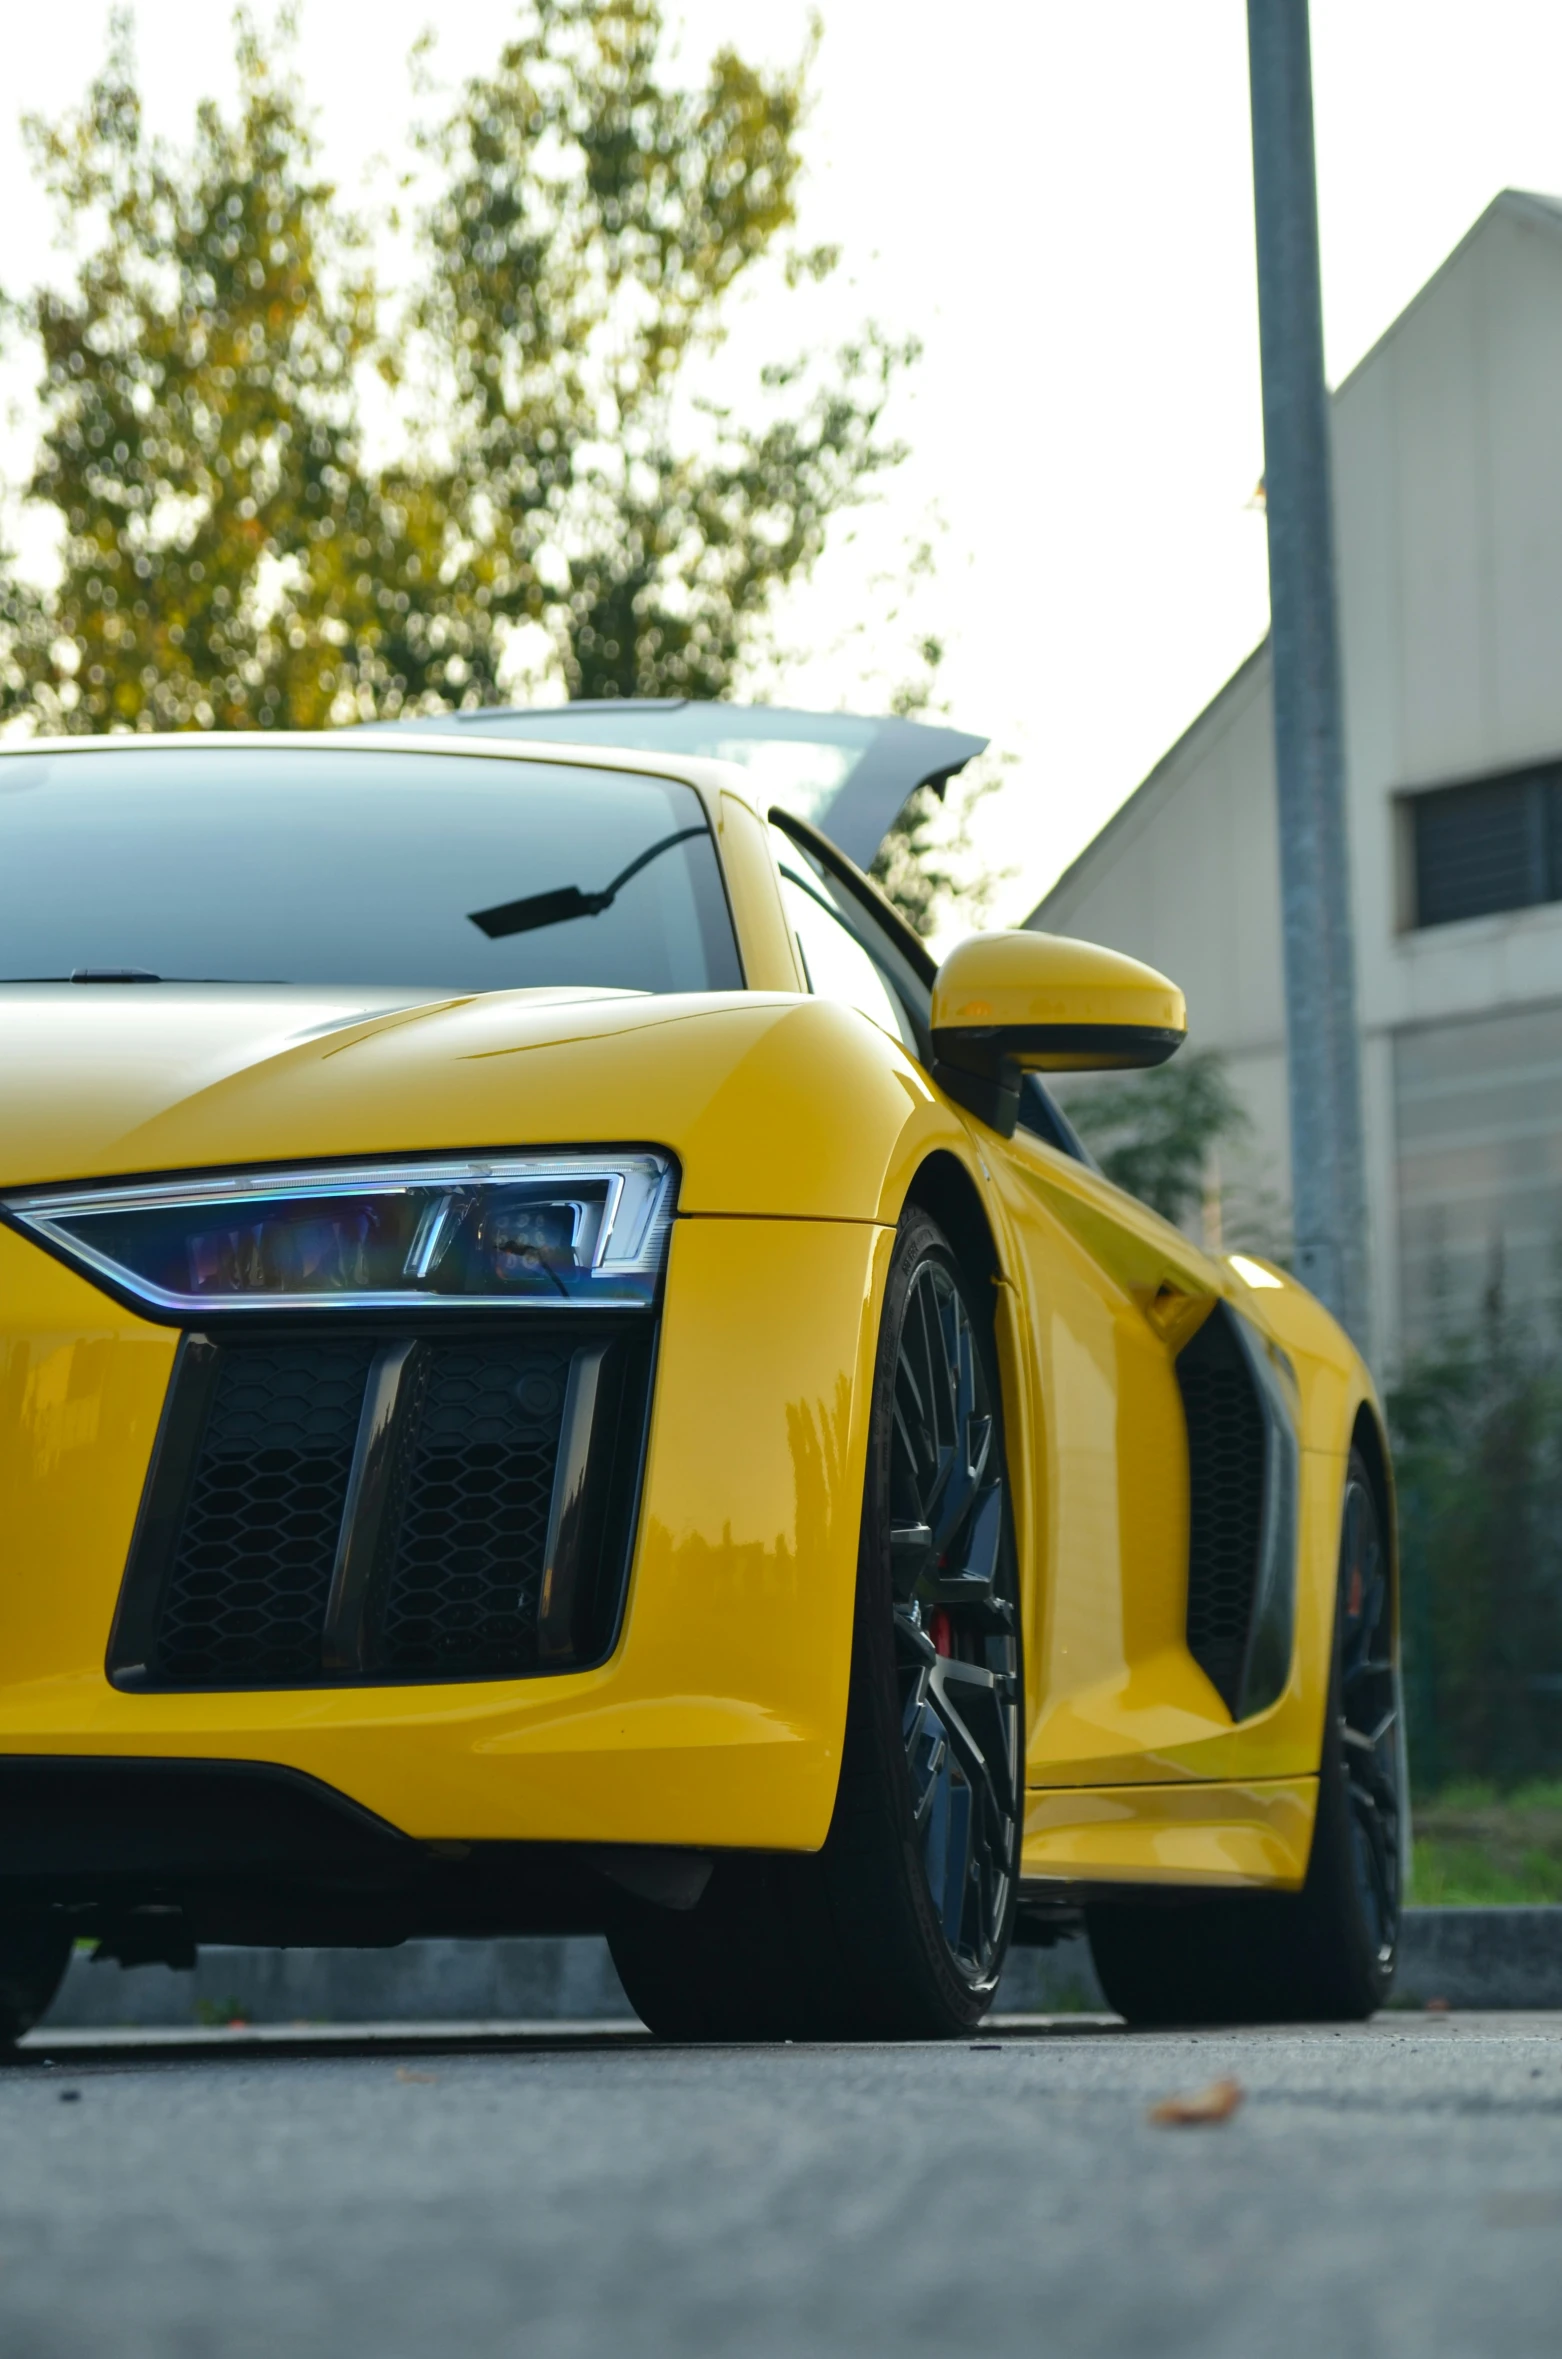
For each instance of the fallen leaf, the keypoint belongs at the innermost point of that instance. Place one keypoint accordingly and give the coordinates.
(402, 2075)
(1437, 2007)
(1216, 2103)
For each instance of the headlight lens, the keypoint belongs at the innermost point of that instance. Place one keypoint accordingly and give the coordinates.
(588, 1230)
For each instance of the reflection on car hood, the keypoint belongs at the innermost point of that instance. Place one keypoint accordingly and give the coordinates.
(85, 1066)
(114, 1080)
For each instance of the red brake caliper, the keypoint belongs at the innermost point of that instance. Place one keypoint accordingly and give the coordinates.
(939, 1631)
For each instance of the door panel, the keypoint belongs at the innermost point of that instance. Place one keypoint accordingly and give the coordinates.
(1111, 1295)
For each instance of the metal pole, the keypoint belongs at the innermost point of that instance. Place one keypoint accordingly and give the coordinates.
(1328, 1191)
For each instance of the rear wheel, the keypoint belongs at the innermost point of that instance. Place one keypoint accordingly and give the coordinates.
(34, 1953)
(899, 1927)
(1327, 1952)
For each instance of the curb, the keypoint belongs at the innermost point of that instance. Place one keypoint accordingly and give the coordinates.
(1497, 1958)
(419, 1982)
(1481, 1957)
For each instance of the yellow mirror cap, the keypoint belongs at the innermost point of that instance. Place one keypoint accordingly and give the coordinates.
(1021, 978)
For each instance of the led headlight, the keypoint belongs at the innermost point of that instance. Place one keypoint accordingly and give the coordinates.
(586, 1230)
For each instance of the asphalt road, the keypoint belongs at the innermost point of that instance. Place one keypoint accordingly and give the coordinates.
(1395, 2190)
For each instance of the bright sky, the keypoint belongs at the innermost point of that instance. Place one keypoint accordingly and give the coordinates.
(1056, 198)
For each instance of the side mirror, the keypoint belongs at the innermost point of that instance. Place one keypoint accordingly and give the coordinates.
(1005, 1004)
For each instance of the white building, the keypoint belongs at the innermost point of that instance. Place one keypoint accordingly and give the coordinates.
(1448, 499)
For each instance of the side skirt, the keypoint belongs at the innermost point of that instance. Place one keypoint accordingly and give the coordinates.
(1255, 1835)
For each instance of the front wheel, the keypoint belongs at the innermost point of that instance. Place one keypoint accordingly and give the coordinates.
(1326, 1953)
(34, 1953)
(899, 1927)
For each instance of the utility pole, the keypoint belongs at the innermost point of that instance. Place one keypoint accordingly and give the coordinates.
(1328, 1180)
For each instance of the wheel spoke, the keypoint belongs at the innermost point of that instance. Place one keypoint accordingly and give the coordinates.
(955, 1618)
(1369, 1716)
(974, 1576)
(910, 1554)
(959, 1811)
(1374, 1852)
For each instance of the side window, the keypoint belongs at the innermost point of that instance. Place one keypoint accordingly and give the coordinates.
(836, 964)
(1044, 1118)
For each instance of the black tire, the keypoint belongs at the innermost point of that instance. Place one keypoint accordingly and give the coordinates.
(899, 1927)
(1325, 1954)
(34, 1953)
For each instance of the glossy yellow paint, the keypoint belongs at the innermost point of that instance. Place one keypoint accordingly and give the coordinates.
(1106, 1294)
(717, 1720)
(770, 961)
(742, 1086)
(1022, 978)
(1258, 1833)
(81, 1391)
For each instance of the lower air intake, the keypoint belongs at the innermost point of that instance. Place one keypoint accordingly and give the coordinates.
(471, 1521)
(246, 1597)
(367, 1509)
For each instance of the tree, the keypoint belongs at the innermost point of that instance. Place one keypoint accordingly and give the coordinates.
(1153, 1133)
(224, 560)
(926, 864)
(227, 556)
(595, 221)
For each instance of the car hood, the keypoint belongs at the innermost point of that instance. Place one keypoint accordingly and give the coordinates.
(748, 1089)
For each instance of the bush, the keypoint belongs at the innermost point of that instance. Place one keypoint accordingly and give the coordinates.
(1477, 1847)
(1154, 1133)
(1477, 1426)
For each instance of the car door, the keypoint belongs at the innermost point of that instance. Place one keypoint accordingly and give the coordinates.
(1111, 1295)
(1104, 1300)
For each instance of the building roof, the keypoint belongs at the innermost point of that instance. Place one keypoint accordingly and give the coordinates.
(1535, 210)
(1138, 805)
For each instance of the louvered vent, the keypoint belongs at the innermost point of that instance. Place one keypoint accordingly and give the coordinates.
(329, 1509)
(1226, 1462)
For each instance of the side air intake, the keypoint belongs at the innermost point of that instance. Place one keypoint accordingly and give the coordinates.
(1242, 1492)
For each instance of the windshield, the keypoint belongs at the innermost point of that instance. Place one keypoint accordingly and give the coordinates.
(436, 872)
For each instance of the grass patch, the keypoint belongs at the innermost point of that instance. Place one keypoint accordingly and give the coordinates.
(1478, 1847)
(217, 2014)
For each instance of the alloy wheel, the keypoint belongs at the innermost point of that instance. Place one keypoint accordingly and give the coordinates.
(1369, 1725)
(956, 1620)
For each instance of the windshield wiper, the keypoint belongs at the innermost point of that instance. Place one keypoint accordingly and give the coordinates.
(567, 901)
(114, 975)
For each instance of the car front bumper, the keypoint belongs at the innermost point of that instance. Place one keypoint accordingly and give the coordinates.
(718, 1718)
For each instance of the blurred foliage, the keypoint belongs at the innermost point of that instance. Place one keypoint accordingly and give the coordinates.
(1477, 1429)
(1478, 1847)
(924, 863)
(221, 551)
(927, 864)
(229, 557)
(594, 222)
(1154, 1133)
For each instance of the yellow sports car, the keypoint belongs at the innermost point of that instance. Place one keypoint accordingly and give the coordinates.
(555, 1375)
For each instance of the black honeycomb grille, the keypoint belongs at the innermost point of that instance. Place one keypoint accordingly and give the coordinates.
(1226, 1456)
(338, 1509)
(471, 1516)
(247, 1590)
